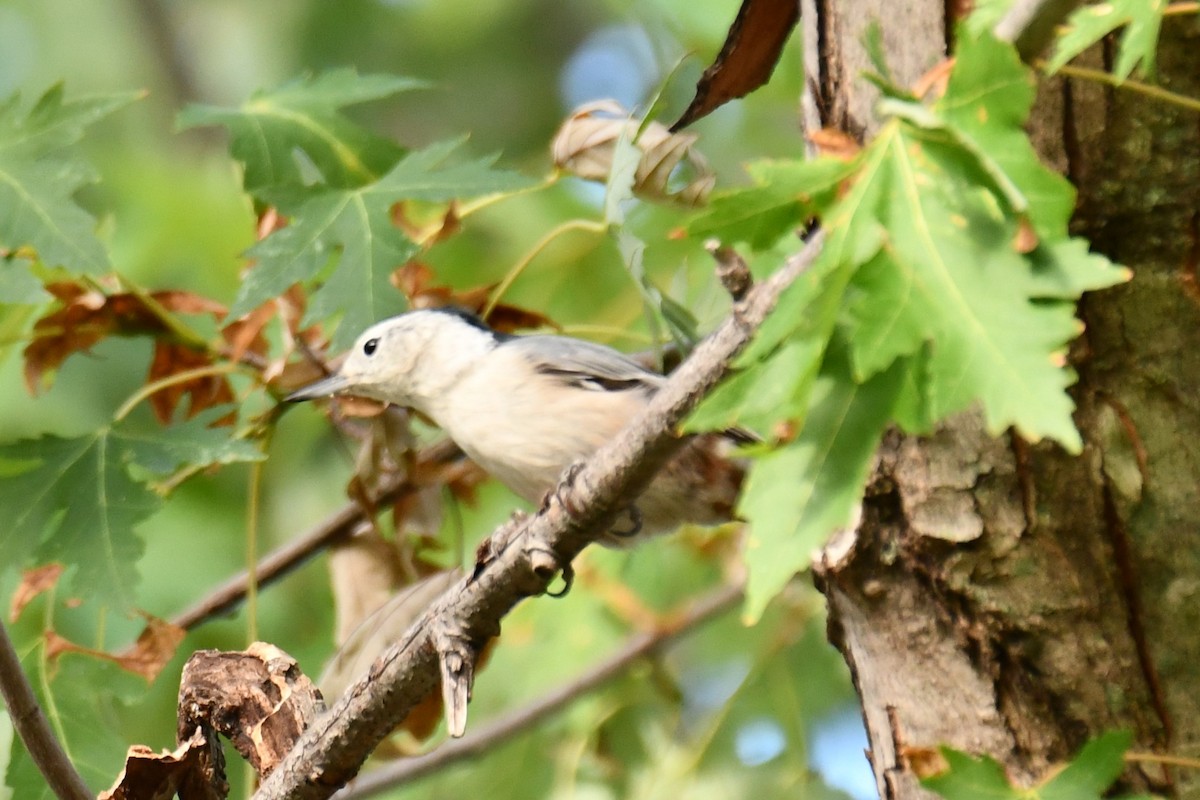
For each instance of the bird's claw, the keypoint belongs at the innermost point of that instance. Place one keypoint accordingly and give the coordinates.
(568, 481)
(568, 576)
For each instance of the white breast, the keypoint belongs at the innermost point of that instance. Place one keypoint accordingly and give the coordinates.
(525, 428)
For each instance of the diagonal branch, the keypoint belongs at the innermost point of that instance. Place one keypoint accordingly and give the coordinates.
(339, 525)
(513, 723)
(523, 557)
(33, 727)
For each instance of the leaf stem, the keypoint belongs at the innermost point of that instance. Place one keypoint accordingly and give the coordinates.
(171, 322)
(253, 506)
(1157, 92)
(591, 226)
(1175, 9)
(171, 380)
(466, 209)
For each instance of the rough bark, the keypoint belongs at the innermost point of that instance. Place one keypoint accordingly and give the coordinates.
(1014, 600)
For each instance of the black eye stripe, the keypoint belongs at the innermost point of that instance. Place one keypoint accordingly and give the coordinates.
(370, 345)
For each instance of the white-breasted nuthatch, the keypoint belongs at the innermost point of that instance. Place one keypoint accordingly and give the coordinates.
(525, 408)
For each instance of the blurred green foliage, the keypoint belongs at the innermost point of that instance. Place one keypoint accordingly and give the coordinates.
(172, 215)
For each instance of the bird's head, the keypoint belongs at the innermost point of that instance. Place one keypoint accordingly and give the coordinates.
(407, 360)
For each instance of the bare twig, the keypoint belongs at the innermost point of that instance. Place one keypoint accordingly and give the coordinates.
(275, 565)
(731, 269)
(584, 505)
(33, 727)
(504, 728)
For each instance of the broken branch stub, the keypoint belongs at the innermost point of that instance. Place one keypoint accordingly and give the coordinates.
(257, 698)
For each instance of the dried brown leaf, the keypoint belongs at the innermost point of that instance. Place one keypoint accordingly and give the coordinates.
(193, 771)
(245, 334)
(835, 143)
(258, 698)
(426, 233)
(378, 629)
(924, 762)
(1025, 240)
(935, 80)
(203, 392)
(85, 317)
(585, 144)
(34, 581)
(416, 280)
(155, 646)
(269, 221)
(747, 58)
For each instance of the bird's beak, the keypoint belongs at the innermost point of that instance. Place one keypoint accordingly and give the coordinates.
(322, 388)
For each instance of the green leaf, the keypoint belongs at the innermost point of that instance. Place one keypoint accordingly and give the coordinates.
(353, 229)
(19, 286)
(54, 122)
(618, 189)
(970, 778)
(280, 134)
(987, 101)
(796, 496)
(80, 696)
(785, 195)
(985, 15)
(951, 277)
(76, 502)
(1098, 764)
(1064, 269)
(760, 396)
(1091, 23)
(1087, 777)
(38, 181)
(37, 210)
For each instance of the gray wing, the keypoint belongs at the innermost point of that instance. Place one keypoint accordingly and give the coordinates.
(585, 365)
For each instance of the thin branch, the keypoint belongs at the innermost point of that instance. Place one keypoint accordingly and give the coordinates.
(521, 558)
(502, 729)
(275, 565)
(31, 725)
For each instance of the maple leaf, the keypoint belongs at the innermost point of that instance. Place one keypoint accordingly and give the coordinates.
(155, 646)
(204, 391)
(353, 229)
(86, 317)
(1087, 25)
(294, 137)
(38, 179)
(76, 500)
(947, 278)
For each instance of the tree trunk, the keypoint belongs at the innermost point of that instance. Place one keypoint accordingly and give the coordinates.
(1010, 599)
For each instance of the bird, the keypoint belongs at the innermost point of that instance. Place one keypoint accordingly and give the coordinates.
(528, 408)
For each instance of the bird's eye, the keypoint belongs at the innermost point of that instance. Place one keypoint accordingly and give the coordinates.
(369, 346)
